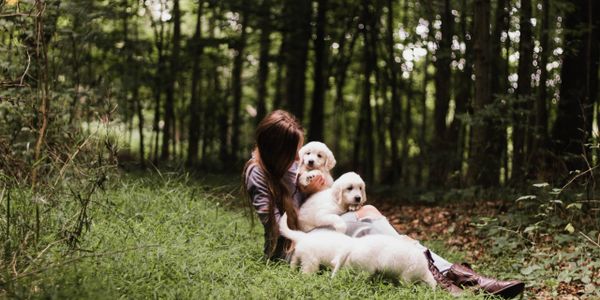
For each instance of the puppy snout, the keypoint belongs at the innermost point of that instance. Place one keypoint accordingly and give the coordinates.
(311, 162)
(357, 199)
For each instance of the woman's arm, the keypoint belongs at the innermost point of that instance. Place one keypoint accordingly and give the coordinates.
(259, 193)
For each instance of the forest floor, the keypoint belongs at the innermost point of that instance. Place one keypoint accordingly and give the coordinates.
(170, 236)
(553, 264)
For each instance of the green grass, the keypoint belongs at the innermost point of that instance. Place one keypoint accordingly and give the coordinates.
(153, 237)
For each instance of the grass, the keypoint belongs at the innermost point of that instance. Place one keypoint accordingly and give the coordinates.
(154, 237)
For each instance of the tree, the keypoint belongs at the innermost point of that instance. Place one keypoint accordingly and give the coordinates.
(464, 85)
(196, 50)
(264, 58)
(523, 102)
(396, 105)
(296, 30)
(170, 92)
(439, 169)
(236, 77)
(579, 84)
(541, 106)
(481, 163)
(315, 132)
(363, 143)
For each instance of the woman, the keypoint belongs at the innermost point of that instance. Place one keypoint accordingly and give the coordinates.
(270, 182)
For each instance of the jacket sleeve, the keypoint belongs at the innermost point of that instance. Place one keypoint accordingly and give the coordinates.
(259, 194)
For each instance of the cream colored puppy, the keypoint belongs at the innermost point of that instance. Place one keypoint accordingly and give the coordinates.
(318, 247)
(400, 257)
(325, 207)
(315, 159)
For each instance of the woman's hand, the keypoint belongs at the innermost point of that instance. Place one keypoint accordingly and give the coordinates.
(315, 185)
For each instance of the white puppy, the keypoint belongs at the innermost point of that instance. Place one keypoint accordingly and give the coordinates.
(315, 159)
(318, 247)
(325, 207)
(401, 257)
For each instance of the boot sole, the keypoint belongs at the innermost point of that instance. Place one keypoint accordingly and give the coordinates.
(511, 291)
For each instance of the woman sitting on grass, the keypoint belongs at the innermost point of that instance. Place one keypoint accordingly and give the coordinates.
(270, 182)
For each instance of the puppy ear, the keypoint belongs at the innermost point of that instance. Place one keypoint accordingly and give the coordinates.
(364, 194)
(336, 190)
(301, 152)
(330, 163)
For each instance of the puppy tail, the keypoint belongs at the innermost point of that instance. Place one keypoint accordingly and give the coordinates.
(284, 229)
(339, 261)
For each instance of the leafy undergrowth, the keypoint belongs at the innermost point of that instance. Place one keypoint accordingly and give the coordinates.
(508, 241)
(180, 238)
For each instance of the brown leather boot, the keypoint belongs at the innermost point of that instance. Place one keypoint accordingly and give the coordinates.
(441, 280)
(463, 275)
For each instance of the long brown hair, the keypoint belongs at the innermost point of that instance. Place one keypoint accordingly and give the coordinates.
(278, 137)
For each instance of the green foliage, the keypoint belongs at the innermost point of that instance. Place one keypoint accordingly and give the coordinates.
(550, 238)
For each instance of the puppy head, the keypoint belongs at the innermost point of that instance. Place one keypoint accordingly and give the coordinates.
(316, 155)
(349, 191)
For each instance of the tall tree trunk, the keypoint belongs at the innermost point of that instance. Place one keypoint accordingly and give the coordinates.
(396, 117)
(264, 58)
(523, 95)
(363, 144)
(195, 101)
(423, 147)
(540, 135)
(279, 80)
(296, 24)
(159, 36)
(408, 126)
(236, 82)
(344, 58)
(579, 83)
(457, 129)
(381, 126)
(481, 164)
(170, 92)
(220, 102)
(499, 84)
(317, 114)
(137, 101)
(438, 172)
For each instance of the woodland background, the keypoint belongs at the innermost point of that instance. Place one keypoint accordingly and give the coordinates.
(470, 99)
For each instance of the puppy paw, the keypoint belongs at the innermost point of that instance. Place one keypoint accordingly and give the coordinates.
(305, 179)
(340, 227)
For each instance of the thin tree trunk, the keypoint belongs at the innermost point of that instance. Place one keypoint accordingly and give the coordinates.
(421, 162)
(263, 65)
(296, 19)
(170, 92)
(396, 117)
(438, 172)
(481, 163)
(408, 125)
(457, 129)
(340, 82)
(363, 160)
(279, 81)
(318, 106)
(579, 84)
(195, 101)
(236, 78)
(540, 136)
(523, 95)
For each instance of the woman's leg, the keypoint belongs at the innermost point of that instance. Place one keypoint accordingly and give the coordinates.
(459, 274)
(381, 225)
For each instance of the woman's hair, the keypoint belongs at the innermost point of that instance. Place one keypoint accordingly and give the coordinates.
(278, 137)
